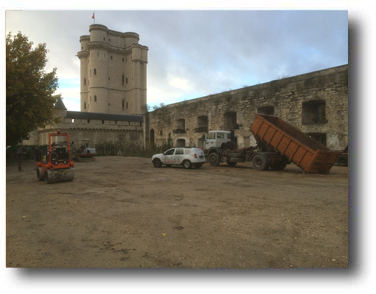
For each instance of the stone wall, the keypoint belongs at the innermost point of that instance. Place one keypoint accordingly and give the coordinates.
(316, 103)
(97, 131)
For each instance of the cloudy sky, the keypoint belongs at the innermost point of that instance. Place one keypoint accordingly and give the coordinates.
(193, 53)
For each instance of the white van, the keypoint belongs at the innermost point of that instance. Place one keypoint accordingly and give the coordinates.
(185, 156)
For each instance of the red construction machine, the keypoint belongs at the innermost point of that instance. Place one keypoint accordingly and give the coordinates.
(56, 165)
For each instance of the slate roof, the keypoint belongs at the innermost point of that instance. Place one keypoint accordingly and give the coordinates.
(60, 104)
(103, 116)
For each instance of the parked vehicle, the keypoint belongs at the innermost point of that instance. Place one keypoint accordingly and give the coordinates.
(185, 156)
(56, 165)
(278, 143)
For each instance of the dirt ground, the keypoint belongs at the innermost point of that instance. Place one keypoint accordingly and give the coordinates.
(121, 212)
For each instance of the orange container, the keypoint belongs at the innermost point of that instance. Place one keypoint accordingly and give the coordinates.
(304, 151)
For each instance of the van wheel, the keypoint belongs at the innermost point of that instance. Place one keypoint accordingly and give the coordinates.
(214, 159)
(157, 163)
(260, 162)
(187, 164)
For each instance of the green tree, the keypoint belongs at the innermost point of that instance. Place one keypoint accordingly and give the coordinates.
(30, 98)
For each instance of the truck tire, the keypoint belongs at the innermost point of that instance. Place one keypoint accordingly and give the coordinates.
(342, 160)
(214, 159)
(260, 162)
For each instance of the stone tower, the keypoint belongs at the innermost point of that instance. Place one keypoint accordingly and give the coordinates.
(113, 72)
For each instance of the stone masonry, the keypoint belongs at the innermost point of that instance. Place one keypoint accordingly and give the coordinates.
(316, 103)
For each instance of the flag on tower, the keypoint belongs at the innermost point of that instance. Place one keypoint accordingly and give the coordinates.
(93, 17)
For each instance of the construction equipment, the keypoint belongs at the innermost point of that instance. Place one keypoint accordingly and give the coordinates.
(278, 144)
(84, 153)
(56, 165)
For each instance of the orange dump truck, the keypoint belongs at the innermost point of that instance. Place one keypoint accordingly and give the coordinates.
(290, 142)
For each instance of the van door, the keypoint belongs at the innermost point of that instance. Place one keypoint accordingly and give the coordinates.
(168, 156)
(179, 152)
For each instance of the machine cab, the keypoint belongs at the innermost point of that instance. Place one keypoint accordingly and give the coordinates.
(214, 139)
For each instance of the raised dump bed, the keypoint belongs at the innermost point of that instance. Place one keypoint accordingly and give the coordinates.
(304, 151)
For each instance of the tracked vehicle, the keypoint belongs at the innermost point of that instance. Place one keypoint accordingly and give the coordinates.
(56, 165)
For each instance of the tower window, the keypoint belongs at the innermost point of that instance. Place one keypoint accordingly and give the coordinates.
(126, 80)
(102, 122)
(122, 80)
(122, 105)
(122, 59)
(88, 121)
(84, 81)
(95, 71)
(111, 57)
(95, 98)
(126, 105)
(84, 105)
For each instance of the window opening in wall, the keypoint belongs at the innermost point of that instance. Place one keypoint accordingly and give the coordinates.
(230, 121)
(126, 80)
(111, 57)
(88, 121)
(321, 137)
(180, 126)
(180, 143)
(95, 98)
(72, 120)
(161, 133)
(126, 105)
(122, 59)
(84, 81)
(115, 122)
(269, 110)
(95, 71)
(102, 122)
(84, 105)
(122, 80)
(202, 124)
(313, 112)
(122, 104)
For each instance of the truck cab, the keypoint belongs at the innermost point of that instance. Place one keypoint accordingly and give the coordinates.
(214, 139)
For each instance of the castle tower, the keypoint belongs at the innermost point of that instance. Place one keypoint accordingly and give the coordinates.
(113, 72)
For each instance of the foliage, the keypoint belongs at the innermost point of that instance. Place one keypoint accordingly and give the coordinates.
(29, 89)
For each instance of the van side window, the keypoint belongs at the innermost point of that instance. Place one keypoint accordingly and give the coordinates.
(220, 135)
(170, 152)
(179, 151)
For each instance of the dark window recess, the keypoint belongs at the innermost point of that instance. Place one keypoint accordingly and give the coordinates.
(126, 105)
(122, 80)
(126, 80)
(180, 126)
(84, 105)
(321, 137)
(313, 112)
(269, 110)
(84, 81)
(202, 124)
(102, 122)
(88, 121)
(122, 105)
(230, 121)
(95, 71)
(95, 98)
